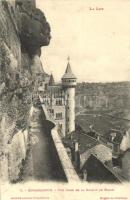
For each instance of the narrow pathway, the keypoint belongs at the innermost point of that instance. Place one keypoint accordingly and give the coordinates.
(46, 166)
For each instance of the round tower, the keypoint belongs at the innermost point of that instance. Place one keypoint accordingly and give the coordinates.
(69, 85)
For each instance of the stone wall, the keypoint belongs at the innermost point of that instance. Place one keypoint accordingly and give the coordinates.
(24, 30)
(65, 161)
(59, 150)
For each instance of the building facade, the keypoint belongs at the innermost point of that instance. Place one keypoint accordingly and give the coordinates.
(59, 100)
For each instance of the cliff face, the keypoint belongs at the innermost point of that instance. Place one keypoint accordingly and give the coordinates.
(24, 30)
(103, 96)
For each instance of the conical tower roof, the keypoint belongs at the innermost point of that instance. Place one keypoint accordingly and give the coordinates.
(51, 81)
(68, 73)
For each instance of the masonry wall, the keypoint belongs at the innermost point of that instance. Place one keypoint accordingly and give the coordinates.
(61, 121)
(70, 111)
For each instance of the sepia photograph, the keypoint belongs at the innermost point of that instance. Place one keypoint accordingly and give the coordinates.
(64, 99)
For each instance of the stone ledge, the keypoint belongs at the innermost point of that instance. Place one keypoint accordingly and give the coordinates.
(69, 170)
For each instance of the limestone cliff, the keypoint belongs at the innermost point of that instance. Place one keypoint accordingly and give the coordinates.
(23, 31)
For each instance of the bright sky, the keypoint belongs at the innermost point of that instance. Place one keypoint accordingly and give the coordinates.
(98, 42)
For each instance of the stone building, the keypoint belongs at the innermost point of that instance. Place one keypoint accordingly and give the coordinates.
(60, 101)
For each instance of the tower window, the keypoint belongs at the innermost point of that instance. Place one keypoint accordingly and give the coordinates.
(58, 102)
(52, 111)
(58, 115)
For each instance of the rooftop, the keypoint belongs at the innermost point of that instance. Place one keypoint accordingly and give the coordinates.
(54, 88)
(51, 81)
(102, 123)
(68, 73)
(85, 141)
(98, 171)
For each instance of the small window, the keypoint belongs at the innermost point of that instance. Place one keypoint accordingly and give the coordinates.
(52, 111)
(58, 115)
(56, 102)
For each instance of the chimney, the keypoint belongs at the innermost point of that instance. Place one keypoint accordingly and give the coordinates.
(76, 146)
(98, 137)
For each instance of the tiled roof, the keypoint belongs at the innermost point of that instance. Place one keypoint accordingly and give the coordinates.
(85, 141)
(54, 88)
(107, 175)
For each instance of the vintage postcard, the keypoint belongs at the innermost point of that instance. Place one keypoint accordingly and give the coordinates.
(64, 99)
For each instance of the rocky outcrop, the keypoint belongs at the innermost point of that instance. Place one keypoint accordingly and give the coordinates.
(24, 29)
(34, 30)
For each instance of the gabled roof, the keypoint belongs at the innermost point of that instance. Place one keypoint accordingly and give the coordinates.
(97, 171)
(54, 88)
(68, 73)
